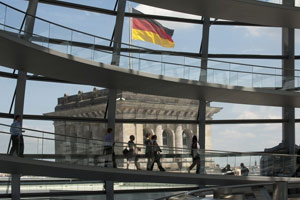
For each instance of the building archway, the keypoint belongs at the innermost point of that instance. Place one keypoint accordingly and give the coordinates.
(187, 136)
(169, 140)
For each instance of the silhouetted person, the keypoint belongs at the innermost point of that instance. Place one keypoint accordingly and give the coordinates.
(195, 155)
(297, 172)
(148, 151)
(156, 154)
(132, 153)
(244, 170)
(109, 148)
(17, 137)
(227, 170)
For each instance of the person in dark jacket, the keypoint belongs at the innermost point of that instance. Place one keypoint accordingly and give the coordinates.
(156, 154)
(108, 150)
(195, 155)
(227, 170)
(297, 172)
(244, 170)
(148, 151)
(132, 153)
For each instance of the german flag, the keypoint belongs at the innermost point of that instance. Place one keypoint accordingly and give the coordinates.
(149, 30)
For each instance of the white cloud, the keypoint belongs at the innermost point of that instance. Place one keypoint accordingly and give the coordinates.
(229, 134)
(248, 115)
(253, 50)
(256, 112)
(87, 13)
(253, 31)
(173, 25)
(267, 32)
(244, 137)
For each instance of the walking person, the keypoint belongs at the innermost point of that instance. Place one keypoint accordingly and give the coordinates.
(244, 170)
(156, 154)
(297, 172)
(148, 151)
(227, 170)
(132, 153)
(195, 155)
(17, 137)
(108, 150)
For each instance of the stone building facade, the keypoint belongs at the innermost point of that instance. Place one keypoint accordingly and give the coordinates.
(129, 106)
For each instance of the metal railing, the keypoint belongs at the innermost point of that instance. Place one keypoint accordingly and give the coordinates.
(267, 191)
(56, 147)
(91, 47)
(297, 2)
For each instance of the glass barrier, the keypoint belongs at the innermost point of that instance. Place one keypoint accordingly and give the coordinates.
(35, 185)
(80, 149)
(91, 47)
(297, 2)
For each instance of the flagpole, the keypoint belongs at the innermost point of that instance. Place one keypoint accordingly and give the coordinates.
(130, 36)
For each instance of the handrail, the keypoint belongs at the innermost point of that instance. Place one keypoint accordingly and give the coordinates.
(82, 32)
(229, 190)
(171, 148)
(139, 47)
(192, 66)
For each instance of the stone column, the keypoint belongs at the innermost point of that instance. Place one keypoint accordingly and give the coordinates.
(171, 140)
(158, 133)
(129, 129)
(67, 143)
(140, 134)
(78, 146)
(208, 145)
(60, 128)
(178, 138)
(86, 133)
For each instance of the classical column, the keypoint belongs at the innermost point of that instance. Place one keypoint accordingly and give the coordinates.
(178, 138)
(70, 131)
(78, 146)
(86, 133)
(158, 133)
(129, 129)
(171, 140)
(60, 128)
(140, 133)
(208, 137)
(189, 136)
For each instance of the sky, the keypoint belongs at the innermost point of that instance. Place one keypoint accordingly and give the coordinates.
(41, 97)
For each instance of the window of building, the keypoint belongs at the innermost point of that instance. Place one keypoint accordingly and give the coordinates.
(145, 137)
(184, 140)
(165, 139)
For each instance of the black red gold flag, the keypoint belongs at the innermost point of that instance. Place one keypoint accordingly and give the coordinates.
(152, 31)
